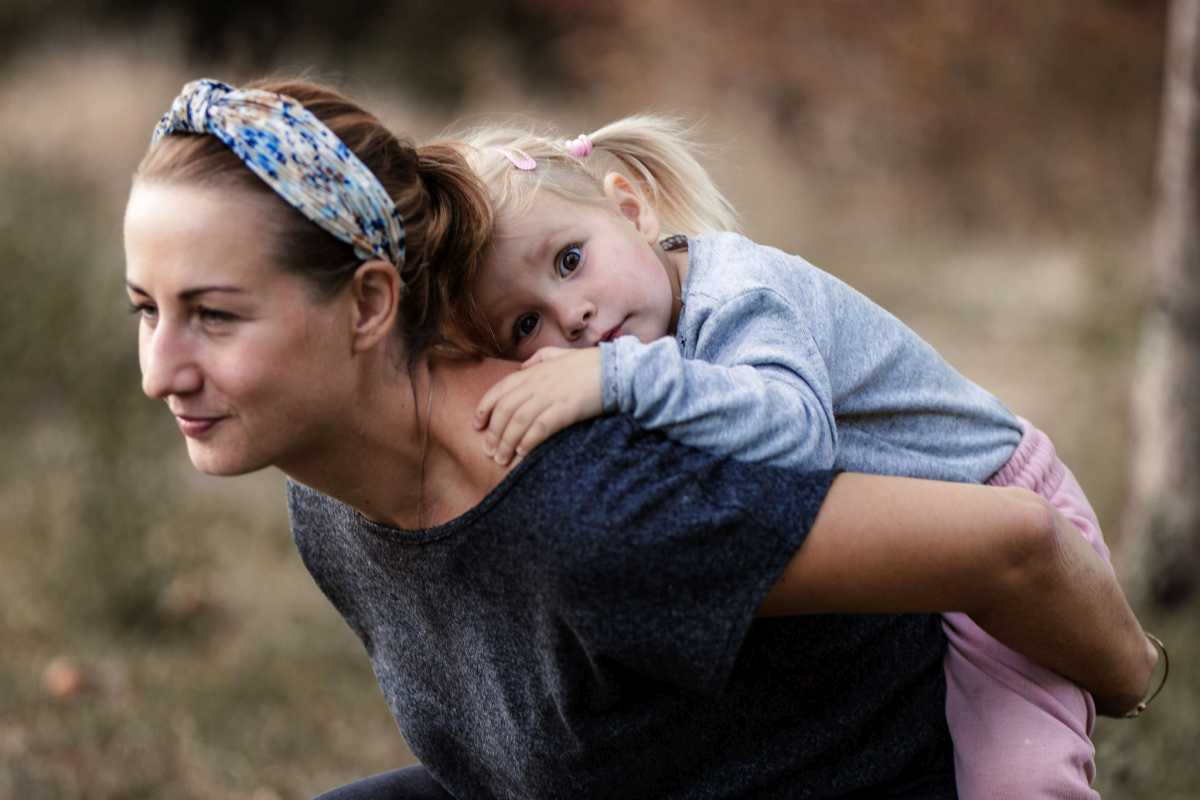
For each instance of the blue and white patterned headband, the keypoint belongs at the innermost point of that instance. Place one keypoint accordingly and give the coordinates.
(297, 156)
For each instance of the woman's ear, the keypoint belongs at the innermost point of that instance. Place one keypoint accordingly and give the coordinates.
(632, 205)
(375, 297)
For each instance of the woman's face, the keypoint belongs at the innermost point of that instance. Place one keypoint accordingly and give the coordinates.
(251, 365)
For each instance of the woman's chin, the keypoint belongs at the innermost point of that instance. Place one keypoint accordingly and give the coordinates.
(218, 463)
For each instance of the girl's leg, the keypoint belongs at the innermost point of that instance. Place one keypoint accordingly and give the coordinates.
(410, 783)
(1021, 731)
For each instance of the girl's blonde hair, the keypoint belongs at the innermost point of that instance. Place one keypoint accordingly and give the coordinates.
(656, 154)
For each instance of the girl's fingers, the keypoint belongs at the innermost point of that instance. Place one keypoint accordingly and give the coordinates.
(545, 354)
(522, 419)
(502, 411)
(483, 411)
(492, 396)
(526, 408)
(542, 429)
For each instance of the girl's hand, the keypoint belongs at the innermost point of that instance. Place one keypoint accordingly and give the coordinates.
(555, 388)
(548, 354)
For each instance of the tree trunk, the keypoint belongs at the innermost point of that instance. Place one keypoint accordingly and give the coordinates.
(1163, 522)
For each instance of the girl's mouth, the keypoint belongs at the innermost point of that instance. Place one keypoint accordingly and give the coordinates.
(612, 333)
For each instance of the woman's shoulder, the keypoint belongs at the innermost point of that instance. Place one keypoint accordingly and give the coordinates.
(620, 475)
(602, 474)
(593, 460)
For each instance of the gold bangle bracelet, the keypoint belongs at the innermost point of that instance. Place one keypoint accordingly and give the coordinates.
(1142, 706)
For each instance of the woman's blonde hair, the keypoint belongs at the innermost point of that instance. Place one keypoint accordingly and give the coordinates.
(656, 154)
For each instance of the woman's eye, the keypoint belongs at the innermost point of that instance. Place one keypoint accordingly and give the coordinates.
(143, 310)
(569, 259)
(525, 325)
(213, 315)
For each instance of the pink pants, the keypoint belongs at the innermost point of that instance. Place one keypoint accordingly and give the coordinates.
(1021, 731)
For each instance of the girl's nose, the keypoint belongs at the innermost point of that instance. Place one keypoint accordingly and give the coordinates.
(578, 319)
(167, 365)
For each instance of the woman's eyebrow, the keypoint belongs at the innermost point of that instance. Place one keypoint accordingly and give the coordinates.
(189, 294)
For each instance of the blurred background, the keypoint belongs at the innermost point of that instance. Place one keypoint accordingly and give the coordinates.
(984, 170)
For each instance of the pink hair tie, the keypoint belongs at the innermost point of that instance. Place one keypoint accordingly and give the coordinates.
(580, 146)
(518, 158)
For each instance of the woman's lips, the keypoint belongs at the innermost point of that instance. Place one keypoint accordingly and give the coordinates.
(195, 427)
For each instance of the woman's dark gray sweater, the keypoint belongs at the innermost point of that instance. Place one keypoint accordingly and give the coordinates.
(589, 630)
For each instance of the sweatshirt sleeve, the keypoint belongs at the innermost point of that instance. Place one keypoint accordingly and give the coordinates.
(756, 390)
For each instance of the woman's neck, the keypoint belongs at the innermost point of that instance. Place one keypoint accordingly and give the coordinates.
(408, 455)
(458, 474)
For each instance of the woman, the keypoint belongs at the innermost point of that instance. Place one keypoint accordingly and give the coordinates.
(591, 622)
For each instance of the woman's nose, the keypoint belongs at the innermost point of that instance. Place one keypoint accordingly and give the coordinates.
(168, 366)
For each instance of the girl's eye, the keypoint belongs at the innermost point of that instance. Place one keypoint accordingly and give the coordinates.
(568, 260)
(525, 325)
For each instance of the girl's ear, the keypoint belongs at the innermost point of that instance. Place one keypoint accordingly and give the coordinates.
(632, 205)
(375, 299)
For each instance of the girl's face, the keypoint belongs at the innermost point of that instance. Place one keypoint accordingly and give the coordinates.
(252, 367)
(571, 274)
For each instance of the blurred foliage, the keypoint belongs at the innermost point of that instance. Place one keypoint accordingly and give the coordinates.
(68, 369)
(911, 88)
(1154, 756)
(1009, 107)
(983, 169)
(432, 39)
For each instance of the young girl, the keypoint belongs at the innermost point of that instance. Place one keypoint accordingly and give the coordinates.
(615, 275)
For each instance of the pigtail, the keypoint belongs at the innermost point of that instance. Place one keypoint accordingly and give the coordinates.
(658, 154)
(516, 161)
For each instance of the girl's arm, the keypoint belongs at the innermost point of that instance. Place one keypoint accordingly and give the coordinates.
(1003, 556)
(765, 397)
(757, 388)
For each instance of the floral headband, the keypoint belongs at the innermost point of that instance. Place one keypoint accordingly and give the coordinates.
(303, 161)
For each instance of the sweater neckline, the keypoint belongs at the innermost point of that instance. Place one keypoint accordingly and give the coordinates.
(415, 536)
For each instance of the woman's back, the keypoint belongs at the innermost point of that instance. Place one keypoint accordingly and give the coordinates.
(538, 648)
